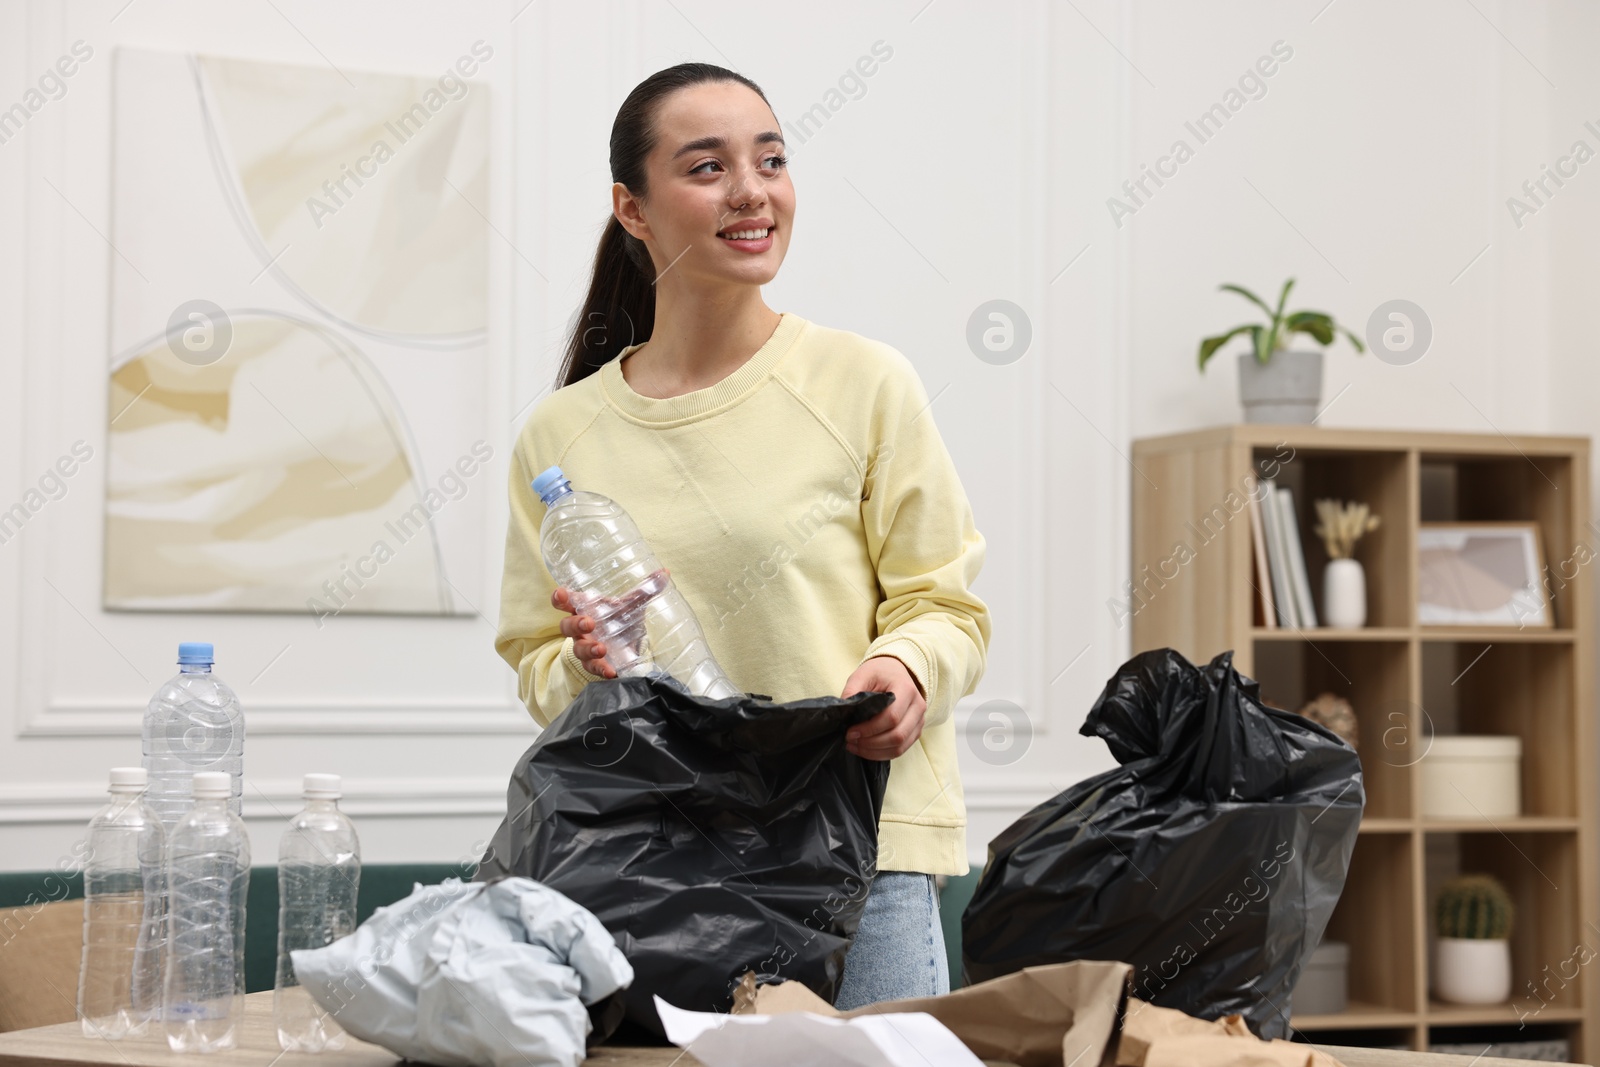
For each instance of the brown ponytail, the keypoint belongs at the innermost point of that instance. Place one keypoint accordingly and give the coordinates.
(620, 308)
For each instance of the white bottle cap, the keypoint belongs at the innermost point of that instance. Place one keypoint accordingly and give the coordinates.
(209, 785)
(129, 779)
(323, 787)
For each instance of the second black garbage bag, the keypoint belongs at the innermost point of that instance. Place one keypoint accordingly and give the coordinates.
(1210, 860)
(710, 836)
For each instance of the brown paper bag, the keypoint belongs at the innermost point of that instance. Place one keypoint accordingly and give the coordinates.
(1074, 1014)
(1165, 1037)
(1064, 1013)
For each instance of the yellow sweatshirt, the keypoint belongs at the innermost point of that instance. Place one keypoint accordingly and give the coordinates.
(810, 513)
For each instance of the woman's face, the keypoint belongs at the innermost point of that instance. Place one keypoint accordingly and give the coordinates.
(715, 169)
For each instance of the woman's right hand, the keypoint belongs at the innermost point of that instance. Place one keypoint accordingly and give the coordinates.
(591, 651)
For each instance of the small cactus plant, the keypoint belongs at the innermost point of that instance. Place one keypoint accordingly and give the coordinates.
(1474, 906)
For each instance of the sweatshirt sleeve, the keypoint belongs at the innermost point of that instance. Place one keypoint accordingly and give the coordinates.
(926, 549)
(549, 673)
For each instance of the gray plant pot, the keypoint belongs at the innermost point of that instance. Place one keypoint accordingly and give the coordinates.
(1287, 389)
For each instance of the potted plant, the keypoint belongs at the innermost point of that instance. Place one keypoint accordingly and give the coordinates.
(1276, 383)
(1472, 963)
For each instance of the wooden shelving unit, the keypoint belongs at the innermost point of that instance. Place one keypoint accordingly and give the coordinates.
(1405, 681)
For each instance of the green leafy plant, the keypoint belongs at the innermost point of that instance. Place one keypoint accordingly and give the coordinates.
(1274, 336)
(1474, 906)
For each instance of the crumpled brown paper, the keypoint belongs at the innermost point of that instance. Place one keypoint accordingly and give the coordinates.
(1074, 1014)
(1165, 1037)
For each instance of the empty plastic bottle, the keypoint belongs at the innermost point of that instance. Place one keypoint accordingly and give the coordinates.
(208, 877)
(119, 984)
(319, 872)
(595, 550)
(193, 724)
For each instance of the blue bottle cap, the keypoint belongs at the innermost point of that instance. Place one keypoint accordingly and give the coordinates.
(550, 484)
(195, 652)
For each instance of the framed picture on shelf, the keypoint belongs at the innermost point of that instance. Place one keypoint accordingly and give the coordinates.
(1481, 574)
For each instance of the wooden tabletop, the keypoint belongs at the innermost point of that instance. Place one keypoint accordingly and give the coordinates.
(64, 1045)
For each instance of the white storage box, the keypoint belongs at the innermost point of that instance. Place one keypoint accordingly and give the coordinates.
(1324, 984)
(1472, 777)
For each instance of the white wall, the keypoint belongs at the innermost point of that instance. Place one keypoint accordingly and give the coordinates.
(977, 164)
(1376, 167)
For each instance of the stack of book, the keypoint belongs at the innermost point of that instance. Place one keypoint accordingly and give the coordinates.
(1280, 560)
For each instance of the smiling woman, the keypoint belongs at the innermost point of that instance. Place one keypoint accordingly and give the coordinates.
(715, 421)
(702, 208)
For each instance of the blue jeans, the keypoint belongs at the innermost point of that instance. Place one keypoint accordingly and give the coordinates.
(899, 949)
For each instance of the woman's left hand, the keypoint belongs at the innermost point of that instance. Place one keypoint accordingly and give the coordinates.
(896, 728)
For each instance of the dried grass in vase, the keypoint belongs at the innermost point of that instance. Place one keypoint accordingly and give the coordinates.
(1342, 525)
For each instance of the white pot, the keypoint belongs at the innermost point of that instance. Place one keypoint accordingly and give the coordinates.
(1472, 970)
(1344, 594)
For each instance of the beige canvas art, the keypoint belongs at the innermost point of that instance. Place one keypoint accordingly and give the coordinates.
(297, 373)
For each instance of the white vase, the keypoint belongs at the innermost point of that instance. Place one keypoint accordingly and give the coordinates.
(1470, 970)
(1344, 595)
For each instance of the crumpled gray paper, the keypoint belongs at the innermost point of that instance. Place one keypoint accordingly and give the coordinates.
(465, 973)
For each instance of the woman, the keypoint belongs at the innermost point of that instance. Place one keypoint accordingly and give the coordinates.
(789, 475)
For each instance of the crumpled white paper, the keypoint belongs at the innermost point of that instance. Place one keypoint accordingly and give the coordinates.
(464, 973)
(806, 1039)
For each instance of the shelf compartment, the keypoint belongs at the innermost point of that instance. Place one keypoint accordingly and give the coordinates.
(1522, 488)
(1526, 689)
(1547, 937)
(1475, 1040)
(1381, 936)
(1378, 479)
(1373, 676)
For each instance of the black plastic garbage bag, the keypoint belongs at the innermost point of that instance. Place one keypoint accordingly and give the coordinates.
(1211, 859)
(710, 837)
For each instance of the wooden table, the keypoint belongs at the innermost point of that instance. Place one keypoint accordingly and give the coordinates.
(64, 1045)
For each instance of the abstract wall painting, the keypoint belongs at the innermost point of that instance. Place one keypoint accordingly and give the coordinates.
(298, 339)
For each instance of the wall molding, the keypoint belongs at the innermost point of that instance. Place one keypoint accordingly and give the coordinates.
(76, 802)
(1019, 795)
(392, 718)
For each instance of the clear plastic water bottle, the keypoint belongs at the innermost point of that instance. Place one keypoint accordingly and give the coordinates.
(193, 724)
(595, 550)
(119, 984)
(319, 872)
(208, 877)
